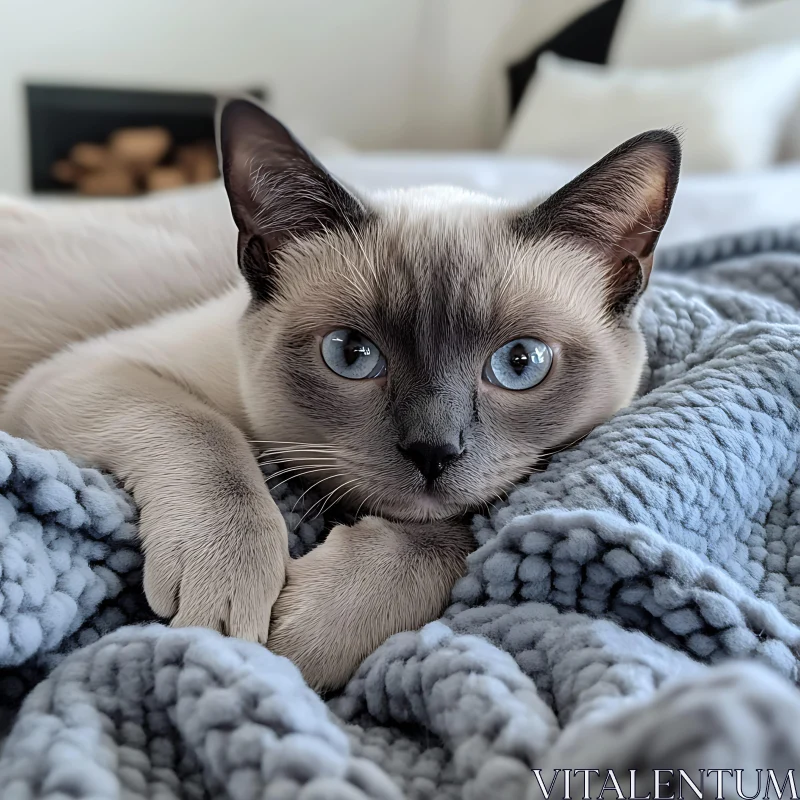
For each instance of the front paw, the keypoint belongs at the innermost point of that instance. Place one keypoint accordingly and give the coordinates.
(361, 586)
(313, 630)
(228, 582)
(323, 618)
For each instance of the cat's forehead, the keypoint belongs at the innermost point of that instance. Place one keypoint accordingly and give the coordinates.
(446, 265)
(453, 237)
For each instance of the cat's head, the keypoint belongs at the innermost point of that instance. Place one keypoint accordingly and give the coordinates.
(434, 344)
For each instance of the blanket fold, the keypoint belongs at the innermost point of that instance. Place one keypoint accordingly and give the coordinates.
(633, 606)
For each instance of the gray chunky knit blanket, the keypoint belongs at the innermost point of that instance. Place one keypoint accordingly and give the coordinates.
(634, 606)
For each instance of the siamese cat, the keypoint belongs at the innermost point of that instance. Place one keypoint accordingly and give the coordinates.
(417, 352)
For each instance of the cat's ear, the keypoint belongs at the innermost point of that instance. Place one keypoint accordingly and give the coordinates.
(278, 191)
(618, 207)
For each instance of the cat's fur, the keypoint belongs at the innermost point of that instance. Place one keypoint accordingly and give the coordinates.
(439, 279)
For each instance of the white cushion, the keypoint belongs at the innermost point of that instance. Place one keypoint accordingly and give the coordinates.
(670, 33)
(664, 33)
(731, 111)
(531, 23)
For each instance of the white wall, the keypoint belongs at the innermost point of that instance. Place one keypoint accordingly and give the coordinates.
(377, 74)
(347, 63)
(450, 80)
(460, 87)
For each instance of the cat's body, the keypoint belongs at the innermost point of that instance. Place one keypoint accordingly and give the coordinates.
(416, 432)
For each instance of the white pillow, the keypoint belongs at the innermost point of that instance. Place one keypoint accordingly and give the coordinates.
(663, 33)
(731, 112)
(671, 33)
(531, 23)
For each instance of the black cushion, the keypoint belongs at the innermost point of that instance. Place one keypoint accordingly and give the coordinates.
(587, 38)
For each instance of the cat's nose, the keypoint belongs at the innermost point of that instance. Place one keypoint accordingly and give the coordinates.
(431, 459)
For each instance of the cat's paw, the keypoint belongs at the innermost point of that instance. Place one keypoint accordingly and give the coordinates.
(363, 584)
(326, 619)
(227, 582)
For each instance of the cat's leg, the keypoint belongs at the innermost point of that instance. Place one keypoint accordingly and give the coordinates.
(215, 543)
(71, 271)
(363, 584)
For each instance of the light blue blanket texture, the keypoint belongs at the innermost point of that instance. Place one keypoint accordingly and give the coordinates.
(634, 606)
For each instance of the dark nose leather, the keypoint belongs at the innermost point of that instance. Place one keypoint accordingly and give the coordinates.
(430, 459)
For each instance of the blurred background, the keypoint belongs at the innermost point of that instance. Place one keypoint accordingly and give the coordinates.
(114, 98)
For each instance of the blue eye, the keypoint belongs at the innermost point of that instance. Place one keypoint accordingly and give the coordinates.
(519, 364)
(352, 355)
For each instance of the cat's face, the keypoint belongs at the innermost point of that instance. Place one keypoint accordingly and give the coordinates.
(423, 350)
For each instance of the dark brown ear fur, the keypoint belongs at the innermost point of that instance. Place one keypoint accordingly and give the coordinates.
(618, 206)
(277, 190)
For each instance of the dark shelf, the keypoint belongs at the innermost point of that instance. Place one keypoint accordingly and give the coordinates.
(61, 116)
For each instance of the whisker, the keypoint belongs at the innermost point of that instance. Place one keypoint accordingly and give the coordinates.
(294, 456)
(310, 488)
(351, 489)
(293, 477)
(284, 471)
(548, 453)
(364, 501)
(338, 499)
(274, 450)
(379, 500)
(299, 458)
(322, 499)
(278, 441)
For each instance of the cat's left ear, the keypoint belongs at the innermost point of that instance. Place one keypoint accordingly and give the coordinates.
(278, 191)
(618, 207)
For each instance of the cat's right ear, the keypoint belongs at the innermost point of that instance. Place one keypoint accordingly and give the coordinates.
(278, 191)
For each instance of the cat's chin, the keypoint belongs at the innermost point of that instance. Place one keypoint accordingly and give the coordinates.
(423, 508)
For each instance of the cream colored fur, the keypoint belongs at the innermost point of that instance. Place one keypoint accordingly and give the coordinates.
(120, 324)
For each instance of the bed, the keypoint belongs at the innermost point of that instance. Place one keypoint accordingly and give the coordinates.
(634, 606)
(706, 204)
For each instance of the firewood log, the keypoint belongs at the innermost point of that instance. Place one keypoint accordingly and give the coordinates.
(66, 171)
(198, 161)
(140, 148)
(164, 178)
(206, 169)
(90, 156)
(186, 155)
(112, 182)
